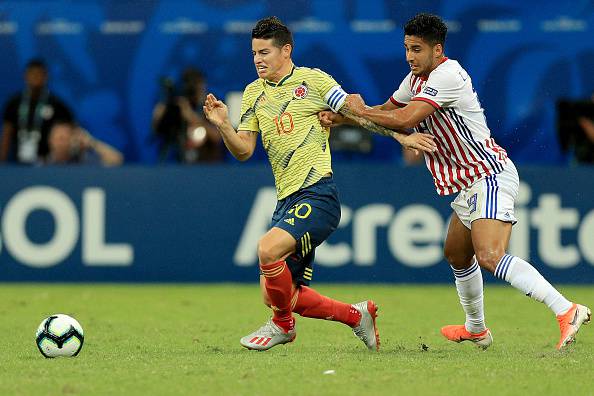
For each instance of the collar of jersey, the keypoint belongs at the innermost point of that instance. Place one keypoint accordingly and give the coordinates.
(282, 80)
(424, 78)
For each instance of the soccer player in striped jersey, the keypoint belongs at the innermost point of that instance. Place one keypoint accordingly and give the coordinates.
(282, 105)
(437, 97)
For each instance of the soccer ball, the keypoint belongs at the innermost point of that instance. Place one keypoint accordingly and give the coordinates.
(59, 335)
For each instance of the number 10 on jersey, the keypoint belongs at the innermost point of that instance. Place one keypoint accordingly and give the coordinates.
(284, 123)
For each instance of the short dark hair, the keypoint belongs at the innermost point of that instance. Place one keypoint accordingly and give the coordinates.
(36, 63)
(430, 28)
(192, 76)
(273, 28)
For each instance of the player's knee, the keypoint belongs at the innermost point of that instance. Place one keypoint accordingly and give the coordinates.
(267, 256)
(455, 258)
(450, 255)
(489, 258)
(266, 252)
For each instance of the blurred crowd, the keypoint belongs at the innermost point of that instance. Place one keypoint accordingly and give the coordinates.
(40, 129)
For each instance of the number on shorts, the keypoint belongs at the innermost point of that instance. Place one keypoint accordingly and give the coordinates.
(302, 211)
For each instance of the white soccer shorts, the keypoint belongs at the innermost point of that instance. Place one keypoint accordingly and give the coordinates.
(492, 197)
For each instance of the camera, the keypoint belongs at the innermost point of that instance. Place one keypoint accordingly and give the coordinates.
(179, 99)
(171, 125)
(571, 136)
(168, 88)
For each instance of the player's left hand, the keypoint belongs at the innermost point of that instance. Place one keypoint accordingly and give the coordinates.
(355, 103)
(420, 141)
(329, 119)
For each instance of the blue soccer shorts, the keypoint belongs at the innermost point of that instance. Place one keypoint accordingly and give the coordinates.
(310, 215)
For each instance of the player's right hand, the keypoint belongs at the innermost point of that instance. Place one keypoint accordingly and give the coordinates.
(215, 110)
(329, 119)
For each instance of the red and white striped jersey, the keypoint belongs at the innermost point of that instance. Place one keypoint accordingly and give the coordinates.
(466, 152)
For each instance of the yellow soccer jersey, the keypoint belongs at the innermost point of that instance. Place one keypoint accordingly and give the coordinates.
(286, 114)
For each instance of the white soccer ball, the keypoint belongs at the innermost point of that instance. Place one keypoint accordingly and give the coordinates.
(59, 335)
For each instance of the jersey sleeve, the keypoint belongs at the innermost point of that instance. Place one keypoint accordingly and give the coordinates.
(442, 89)
(248, 120)
(329, 90)
(402, 96)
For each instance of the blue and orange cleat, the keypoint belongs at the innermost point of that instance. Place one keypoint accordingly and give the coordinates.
(458, 333)
(570, 322)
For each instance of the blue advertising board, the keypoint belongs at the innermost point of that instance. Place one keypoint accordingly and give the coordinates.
(106, 58)
(202, 224)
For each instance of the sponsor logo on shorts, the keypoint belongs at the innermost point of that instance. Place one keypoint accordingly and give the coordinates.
(472, 203)
(290, 221)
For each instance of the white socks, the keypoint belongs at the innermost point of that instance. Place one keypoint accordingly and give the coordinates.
(469, 283)
(527, 279)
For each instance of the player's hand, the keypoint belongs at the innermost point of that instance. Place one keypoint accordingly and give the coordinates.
(355, 103)
(215, 111)
(330, 119)
(420, 141)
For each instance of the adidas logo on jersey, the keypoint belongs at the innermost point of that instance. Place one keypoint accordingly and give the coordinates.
(290, 221)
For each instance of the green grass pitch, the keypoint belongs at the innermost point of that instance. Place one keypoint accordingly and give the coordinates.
(184, 340)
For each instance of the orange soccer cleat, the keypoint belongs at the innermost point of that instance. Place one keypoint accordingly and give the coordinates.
(570, 322)
(458, 333)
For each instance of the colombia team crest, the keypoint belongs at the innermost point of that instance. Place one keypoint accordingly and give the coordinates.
(300, 92)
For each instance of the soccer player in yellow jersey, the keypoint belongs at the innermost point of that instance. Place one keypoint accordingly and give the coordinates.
(283, 105)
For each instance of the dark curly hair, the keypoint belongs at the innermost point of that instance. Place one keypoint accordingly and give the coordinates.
(430, 28)
(273, 28)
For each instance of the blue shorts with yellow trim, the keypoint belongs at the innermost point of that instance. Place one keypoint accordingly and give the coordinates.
(310, 215)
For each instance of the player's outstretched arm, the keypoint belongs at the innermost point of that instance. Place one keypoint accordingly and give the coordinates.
(415, 141)
(402, 118)
(331, 119)
(241, 144)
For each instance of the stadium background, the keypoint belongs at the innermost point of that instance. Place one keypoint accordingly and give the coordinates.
(154, 223)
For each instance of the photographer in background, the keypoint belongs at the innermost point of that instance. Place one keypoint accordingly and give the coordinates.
(28, 118)
(586, 122)
(180, 127)
(70, 144)
(575, 127)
